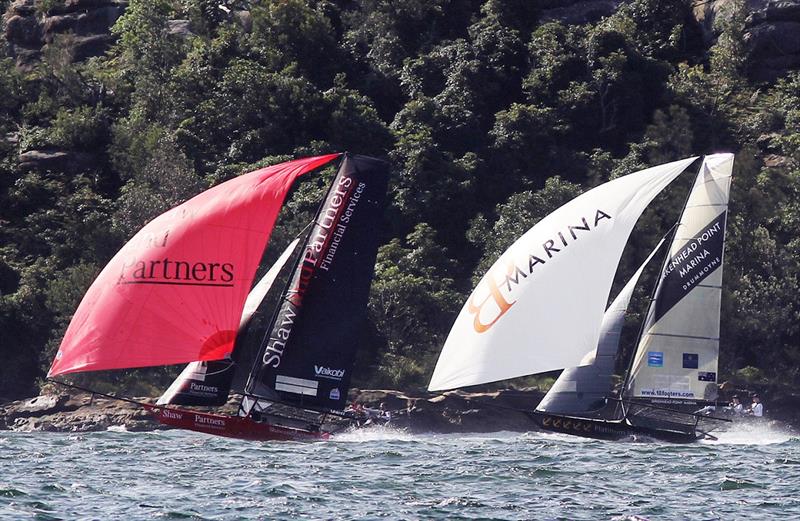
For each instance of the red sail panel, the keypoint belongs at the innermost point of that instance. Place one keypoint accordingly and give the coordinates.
(175, 292)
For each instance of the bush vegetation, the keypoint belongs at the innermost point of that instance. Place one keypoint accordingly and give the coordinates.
(489, 117)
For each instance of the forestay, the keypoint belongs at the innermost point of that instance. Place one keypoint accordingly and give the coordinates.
(540, 306)
(678, 352)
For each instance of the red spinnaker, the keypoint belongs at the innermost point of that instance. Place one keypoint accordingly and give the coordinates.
(175, 292)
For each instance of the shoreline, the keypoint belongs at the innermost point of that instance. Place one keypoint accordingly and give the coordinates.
(455, 411)
(450, 412)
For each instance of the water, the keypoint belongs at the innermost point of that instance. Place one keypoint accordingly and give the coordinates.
(384, 473)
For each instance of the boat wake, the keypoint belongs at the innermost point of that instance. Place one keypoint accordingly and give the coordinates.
(752, 434)
(373, 433)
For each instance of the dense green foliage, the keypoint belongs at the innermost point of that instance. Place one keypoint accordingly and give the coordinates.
(489, 117)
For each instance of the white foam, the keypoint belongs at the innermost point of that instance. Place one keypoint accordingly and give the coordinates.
(374, 433)
(767, 433)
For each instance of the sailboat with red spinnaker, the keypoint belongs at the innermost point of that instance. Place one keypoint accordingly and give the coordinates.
(182, 291)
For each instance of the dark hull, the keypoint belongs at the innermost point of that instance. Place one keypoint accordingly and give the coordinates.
(609, 429)
(232, 426)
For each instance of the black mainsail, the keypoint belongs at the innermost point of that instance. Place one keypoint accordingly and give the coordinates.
(307, 355)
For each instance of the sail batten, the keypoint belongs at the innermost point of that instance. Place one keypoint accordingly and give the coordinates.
(540, 306)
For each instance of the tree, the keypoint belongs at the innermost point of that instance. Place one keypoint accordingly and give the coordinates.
(514, 218)
(412, 304)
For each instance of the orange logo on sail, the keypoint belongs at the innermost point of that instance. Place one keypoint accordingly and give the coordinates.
(494, 296)
(514, 275)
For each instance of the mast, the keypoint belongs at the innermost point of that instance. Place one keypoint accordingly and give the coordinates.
(650, 301)
(251, 384)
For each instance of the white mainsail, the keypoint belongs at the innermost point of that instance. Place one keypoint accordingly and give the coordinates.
(540, 306)
(678, 352)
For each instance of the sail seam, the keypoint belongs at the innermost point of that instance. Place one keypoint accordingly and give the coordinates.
(685, 336)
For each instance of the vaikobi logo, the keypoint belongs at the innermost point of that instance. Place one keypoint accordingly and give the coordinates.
(327, 372)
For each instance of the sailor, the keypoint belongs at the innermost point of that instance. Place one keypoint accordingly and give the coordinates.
(385, 415)
(756, 408)
(736, 406)
(355, 411)
(372, 415)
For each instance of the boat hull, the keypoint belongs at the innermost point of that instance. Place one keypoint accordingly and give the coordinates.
(231, 426)
(607, 429)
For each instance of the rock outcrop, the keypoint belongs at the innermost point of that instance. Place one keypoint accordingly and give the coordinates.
(56, 160)
(455, 411)
(772, 33)
(82, 25)
(450, 412)
(576, 12)
(74, 413)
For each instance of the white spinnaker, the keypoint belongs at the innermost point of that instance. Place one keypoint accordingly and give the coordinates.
(678, 352)
(579, 389)
(199, 370)
(539, 307)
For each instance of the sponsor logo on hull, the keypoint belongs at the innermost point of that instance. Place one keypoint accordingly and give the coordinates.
(572, 425)
(209, 422)
(172, 415)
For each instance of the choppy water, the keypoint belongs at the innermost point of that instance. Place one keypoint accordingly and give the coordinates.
(752, 474)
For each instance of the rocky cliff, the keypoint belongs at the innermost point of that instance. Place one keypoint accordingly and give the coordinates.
(84, 26)
(772, 33)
